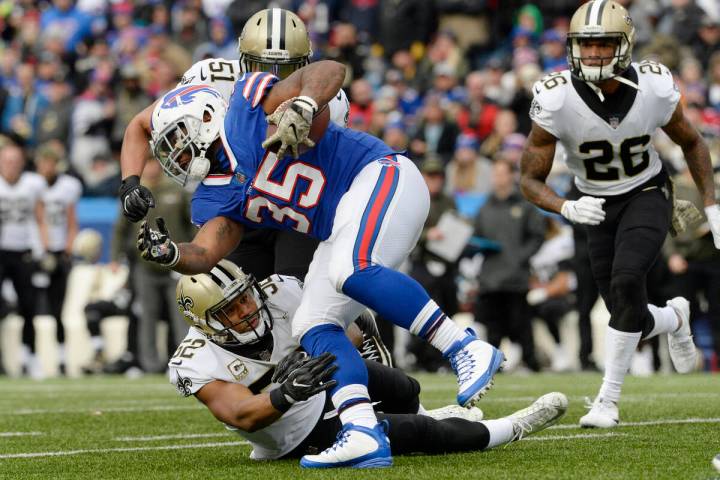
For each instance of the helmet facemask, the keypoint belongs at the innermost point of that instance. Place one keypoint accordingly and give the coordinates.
(223, 319)
(180, 153)
(185, 124)
(609, 67)
(279, 68)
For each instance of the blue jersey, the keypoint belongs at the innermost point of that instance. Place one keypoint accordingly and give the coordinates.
(261, 190)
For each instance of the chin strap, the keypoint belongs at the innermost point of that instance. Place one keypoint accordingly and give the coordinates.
(620, 79)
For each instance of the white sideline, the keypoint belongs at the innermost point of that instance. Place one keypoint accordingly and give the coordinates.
(19, 434)
(120, 449)
(579, 436)
(172, 437)
(669, 421)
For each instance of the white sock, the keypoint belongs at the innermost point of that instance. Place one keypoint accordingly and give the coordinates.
(619, 349)
(501, 431)
(447, 334)
(359, 414)
(666, 320)
(433, 325)
(25, 354)
(61, 353)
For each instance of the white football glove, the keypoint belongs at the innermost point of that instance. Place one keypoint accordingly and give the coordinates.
(713, 215)
(587, 210)
(293, 126)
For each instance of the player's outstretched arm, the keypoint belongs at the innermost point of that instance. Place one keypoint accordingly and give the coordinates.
(213, 242)
(135, 199)
(234, 404)
(135, 148)
(535, 165)
(696, 153)
(320, 81)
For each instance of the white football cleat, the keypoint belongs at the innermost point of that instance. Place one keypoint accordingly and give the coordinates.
(475, 363)
(603, 414)
(680, 343)
(542, 413)
(472, 414)
(357, 447)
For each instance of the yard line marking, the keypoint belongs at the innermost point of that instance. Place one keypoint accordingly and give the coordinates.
(579, 436)
(100, 410)
(19, 434)
(81, 386)
(171, 437)
(669, 421)
(120, 449)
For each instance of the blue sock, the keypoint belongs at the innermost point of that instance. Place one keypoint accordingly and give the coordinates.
(331, 338)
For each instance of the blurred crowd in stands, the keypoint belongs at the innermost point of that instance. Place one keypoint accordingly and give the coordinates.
(450, 81)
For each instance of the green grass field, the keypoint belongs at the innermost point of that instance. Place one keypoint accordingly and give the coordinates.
(119, 428)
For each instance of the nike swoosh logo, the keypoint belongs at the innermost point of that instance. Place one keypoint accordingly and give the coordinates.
(202, 77)
(294, 131)
(301, 385)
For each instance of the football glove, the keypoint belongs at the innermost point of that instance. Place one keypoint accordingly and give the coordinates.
(310, 378)
(293, 126)
(713, 215)
(288, 364)
(587, 210)
(136, 200)
(156, 246)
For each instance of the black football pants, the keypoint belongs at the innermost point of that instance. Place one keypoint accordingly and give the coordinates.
(398, 397)
(624, 247)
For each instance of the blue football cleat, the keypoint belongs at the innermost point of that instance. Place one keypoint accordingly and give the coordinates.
(356, 447)
(475, 363)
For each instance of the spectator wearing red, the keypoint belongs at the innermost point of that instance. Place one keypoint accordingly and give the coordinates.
(477, 116)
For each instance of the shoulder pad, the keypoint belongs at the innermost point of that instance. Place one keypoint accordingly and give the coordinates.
(549, 92)
(658, 77)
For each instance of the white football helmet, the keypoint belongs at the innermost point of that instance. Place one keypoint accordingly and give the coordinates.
(208, 302)
(184, 123)
(600, 19)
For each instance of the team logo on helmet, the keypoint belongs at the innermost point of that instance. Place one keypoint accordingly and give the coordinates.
(185, 95)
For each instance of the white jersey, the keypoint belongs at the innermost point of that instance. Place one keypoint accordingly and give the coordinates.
(198, 361)
(607, 153)
(221, 74)
(61, 195)
(18, 225)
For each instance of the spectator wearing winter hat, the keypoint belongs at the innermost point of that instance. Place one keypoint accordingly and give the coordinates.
(66, 21)
(222, 43)
(468, 172)
(553, 51)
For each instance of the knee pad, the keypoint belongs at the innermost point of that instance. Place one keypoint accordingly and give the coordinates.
(629, 302)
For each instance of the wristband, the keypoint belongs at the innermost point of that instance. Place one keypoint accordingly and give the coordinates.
(279, 401)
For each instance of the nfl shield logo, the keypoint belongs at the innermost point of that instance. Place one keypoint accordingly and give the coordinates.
(614, 122)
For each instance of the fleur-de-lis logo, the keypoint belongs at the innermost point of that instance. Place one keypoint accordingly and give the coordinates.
(185, 302)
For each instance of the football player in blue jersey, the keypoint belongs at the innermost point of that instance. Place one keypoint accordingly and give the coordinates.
(363, 201)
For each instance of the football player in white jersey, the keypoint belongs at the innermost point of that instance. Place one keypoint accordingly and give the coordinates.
(240, 360)
(59, 201)
(603, 111)
(273, 40)
(23, 235)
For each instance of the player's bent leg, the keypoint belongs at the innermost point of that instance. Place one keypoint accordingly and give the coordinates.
(362, 442)
(369, 243)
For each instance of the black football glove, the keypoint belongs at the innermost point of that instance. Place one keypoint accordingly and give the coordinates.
(156, 246)
(312, 377)
(288, 364)
(135, 199)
